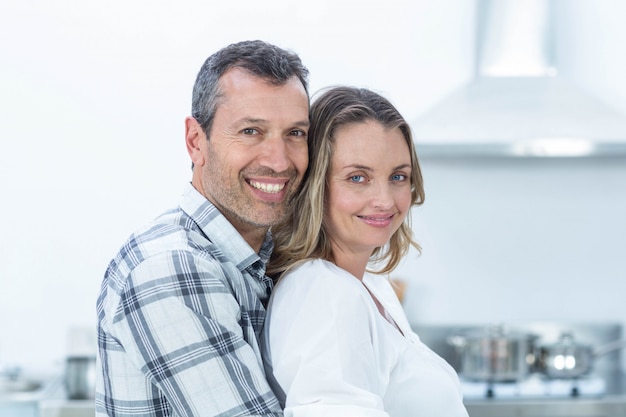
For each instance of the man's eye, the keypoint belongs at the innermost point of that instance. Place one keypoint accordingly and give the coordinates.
(249, 131)
(298, 132)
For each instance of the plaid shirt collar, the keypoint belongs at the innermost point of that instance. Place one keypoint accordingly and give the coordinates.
(224, 235)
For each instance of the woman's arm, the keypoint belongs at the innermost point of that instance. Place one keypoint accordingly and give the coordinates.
(324, 348)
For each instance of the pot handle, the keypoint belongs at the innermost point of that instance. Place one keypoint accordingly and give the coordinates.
(610, 347)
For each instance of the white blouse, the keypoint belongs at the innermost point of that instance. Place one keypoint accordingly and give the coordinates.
(330, 352)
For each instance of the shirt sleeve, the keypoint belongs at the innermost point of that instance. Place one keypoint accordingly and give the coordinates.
(179, 322)
(323, 348)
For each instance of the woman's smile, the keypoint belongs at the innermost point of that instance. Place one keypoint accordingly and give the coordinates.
(377, 220)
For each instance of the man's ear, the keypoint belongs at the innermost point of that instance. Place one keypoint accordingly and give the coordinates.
(195, 140)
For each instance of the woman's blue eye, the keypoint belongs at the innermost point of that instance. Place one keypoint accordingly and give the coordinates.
(357, 178)
(398, 177)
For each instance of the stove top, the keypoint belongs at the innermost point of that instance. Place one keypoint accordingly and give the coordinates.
(535, 387)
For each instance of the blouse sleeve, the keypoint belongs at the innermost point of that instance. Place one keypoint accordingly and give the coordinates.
(323, 346)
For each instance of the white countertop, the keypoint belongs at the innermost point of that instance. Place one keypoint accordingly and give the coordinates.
(56, 404)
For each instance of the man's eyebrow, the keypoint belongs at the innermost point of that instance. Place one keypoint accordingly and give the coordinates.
(252, 120)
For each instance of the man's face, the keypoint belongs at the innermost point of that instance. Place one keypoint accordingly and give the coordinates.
(256, 155)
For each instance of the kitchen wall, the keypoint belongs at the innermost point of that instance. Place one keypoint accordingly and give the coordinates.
(508, 240)
(530, 239)
(91, 120)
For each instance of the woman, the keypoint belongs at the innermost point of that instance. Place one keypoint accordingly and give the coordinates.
(337, 342)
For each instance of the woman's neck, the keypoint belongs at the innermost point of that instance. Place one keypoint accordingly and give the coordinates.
(353, 263)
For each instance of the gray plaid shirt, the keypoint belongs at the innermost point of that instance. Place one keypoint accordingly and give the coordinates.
(179, 318)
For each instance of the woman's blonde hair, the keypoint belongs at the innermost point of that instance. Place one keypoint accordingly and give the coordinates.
(303, 234)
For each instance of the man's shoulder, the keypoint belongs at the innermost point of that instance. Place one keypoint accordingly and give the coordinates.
(170, 233)
(172, 230)
(175, 244)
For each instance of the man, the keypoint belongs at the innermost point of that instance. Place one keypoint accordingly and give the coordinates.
(183, 302)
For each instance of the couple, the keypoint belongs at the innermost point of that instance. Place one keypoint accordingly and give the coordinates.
(183, 328)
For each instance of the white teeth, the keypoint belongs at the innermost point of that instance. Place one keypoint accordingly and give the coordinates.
(377, 219)
(267, 188)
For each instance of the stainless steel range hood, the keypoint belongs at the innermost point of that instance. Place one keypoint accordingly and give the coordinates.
(517, 105)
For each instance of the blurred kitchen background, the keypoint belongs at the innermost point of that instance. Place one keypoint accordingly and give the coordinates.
(93, 97)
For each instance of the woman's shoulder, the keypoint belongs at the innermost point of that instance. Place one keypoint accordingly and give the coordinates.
(320, 281)
(319, 295)
(318, 273)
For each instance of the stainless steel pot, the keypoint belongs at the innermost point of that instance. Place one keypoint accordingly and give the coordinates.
(80, 377)
(569, 359)
(494, 354)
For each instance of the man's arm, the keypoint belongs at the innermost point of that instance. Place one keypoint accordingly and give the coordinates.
(180, 324)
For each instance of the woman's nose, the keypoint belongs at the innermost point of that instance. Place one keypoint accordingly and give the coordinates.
(382, 197)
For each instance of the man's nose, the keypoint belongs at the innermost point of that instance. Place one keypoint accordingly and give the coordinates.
(276, 153)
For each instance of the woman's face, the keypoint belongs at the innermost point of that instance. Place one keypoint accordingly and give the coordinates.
(369, 189)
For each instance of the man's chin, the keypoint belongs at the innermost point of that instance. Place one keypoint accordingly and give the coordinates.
(269, 219)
